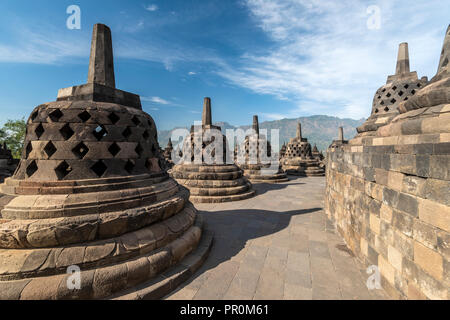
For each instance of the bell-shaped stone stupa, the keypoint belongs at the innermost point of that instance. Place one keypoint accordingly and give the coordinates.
(398, 88)
(257, 161)
(89, 196)
(7, 163)
(203, 167)
(282, 151)
(298, 159)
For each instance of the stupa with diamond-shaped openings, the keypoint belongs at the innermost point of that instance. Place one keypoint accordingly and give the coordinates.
(89, 192)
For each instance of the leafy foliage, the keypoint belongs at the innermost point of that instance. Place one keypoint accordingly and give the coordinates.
(13, 133)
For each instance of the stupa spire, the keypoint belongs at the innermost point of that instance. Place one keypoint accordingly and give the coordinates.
(206, 116)
(444, 67)
(341, 134)
(101, 63)
(256, 124)
(299, 131)
(402, 59)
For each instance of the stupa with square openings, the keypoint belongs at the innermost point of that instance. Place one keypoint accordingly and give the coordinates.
(298, 158)
(399, 87)
(256, 158)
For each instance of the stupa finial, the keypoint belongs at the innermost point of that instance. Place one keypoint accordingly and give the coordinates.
(299, 131)
(444, 67)
(206, 116)
(256, 124)
(101, 63)
(402, 59)
(341, 134)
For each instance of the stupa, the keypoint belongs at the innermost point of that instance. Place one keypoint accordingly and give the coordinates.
(398, 88)
(316, 153)
(7, 163)
(255, 168)
(167, 154)
(90, 202)
(298, 159)
(204, 168)
(168, 150)
(340, 140)
(389, 193)
(282, 151)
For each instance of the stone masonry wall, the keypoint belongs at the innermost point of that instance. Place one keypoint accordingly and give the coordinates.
(389, 196)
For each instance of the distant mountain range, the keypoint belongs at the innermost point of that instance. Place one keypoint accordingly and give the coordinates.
(319, 130)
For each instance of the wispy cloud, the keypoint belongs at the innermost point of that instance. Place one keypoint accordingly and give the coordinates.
(151, 7)
(326, 60)
(31, 46)
(192, 73)
(157, 100)
(160, 101)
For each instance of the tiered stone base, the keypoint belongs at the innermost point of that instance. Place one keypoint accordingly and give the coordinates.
(120, 233)
(389, 196)
(302, 167)
(168, 281)
(262, 174)
(213, 183)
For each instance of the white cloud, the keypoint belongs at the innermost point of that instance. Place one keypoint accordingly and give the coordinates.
(157, 100)
(162, 102)
(192, 73)
(326, 60)
(151, 7)
(35, 47)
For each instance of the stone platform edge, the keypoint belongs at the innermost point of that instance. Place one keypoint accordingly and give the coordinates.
(171, 279)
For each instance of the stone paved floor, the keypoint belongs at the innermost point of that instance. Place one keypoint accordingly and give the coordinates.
(277, 245)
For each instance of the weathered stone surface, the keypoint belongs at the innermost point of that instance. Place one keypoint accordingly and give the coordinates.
(90, 192)
(407, 238)
(399, 87)
(203, 168)
(298, 158)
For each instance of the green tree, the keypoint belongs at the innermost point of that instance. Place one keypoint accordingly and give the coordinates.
(13, 133)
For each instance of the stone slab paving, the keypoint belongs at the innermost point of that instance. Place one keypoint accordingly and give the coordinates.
(277, 245)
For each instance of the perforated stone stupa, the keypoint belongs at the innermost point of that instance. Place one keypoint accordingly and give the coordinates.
(389, 193)
(398, 88)
(89, 194)
(340, 142)
(298, 159)
(167, 154)
(256, 169)
(7, 163)
(282, 151)
(213, 180)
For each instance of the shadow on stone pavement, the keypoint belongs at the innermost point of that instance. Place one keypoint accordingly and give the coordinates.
(234, 228)
(262, 188)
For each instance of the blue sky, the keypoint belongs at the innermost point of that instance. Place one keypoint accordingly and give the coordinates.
(275, 58)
